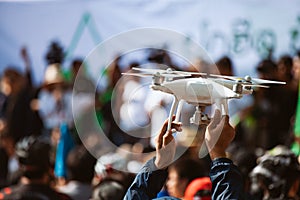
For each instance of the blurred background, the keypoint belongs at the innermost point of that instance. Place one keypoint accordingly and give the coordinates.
(51, 55)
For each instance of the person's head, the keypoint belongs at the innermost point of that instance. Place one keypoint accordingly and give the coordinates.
(109, 189)
(284, 68)
(199, 188)
(296, 67)
(33, 154)
(80, 165)
(12, 81)
(267, 69)
(77, 68)
(181, 173)
(277, 174)
(224, 65)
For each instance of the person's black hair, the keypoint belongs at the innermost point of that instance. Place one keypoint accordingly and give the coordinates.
(34, 156)
(189, 168)
(224, 65)
(109, 189)
(55, 53)
(80, 165)
(277, 172)
(266, 66)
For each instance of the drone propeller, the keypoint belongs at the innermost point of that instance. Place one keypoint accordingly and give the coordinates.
(246, 84)
(252, 85)
(166, 72)
(153, 75)
(248, 79)
(137, 74)
(262, 81)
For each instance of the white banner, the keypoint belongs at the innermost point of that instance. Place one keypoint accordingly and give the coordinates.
(244, 30)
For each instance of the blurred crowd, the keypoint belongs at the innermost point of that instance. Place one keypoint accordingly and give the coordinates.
(40, 145)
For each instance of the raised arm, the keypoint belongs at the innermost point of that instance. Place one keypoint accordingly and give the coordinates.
(226, 179)
(153, 175)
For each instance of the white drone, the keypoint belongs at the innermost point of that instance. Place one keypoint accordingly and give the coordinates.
(199, 89)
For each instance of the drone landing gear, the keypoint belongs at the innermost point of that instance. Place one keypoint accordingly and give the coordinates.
(199, 118)
(174, 105)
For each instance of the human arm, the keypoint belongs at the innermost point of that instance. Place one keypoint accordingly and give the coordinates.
(26, 60)
(226, 179)
(153, 175)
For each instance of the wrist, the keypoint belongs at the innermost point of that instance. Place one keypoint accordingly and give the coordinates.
(214, 154)
(158, 164)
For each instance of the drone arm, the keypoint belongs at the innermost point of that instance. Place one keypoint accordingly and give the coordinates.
(174, 105)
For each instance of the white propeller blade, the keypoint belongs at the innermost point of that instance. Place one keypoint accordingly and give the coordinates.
(169, 71)
(256, 80)
(262, 81)
(137, 74)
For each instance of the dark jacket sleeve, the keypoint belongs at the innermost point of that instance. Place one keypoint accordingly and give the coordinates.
(147, 183)
(227, 182)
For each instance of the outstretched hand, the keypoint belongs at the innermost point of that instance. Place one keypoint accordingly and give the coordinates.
(219, 134)
(165, 144)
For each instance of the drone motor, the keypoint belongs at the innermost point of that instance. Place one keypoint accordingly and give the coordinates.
(238, 87)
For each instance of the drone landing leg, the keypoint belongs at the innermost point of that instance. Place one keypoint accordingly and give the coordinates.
(223, 106)
(178, 112)
(174, 105)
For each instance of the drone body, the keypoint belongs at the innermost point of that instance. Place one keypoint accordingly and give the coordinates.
(200, 89)
(196, 91)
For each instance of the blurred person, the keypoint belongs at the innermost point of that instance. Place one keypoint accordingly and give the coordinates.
(114, 166)
(276, 113)
(226, 179)
(109, 189)
(267, 122)
(80, 172)
(19, 118)
(181, 173)
(245, 159)
(9, 166)
(160, 56)
(225, 66)
(54, 99)
(288, 93)
(266, 108)
(55, 109)
(296, 69)
(111, 119)
(79, 74)
(34, 159)
(276, 176)
(267, 69)
(284, 69)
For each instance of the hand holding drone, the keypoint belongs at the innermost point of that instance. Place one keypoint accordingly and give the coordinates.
(199, 89)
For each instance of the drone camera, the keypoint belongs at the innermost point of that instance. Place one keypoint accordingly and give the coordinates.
(199, 117)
